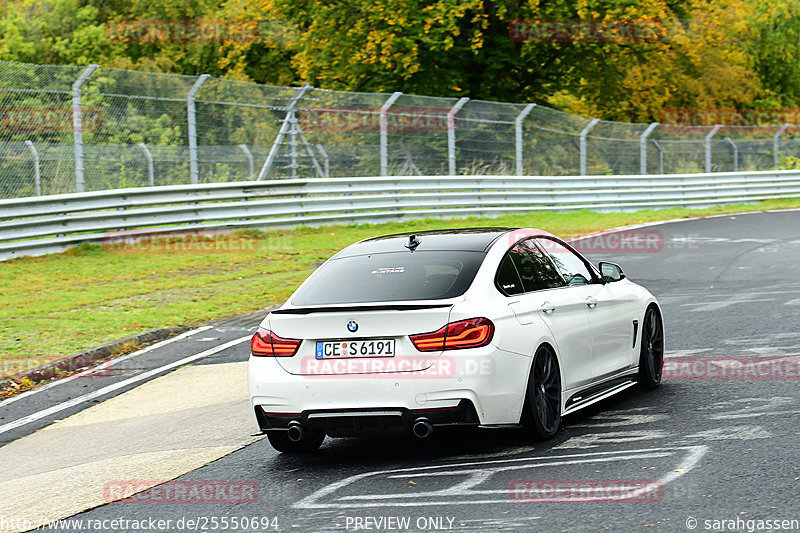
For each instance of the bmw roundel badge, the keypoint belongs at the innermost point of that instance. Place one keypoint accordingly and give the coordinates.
(352, 326)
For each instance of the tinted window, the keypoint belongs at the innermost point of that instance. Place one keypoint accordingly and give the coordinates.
(507, 277)
(389, 277)
(535, 269)
(571, 266)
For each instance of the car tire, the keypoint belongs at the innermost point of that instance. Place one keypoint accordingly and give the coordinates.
(651, 354)
(542, 409)
(280, 441)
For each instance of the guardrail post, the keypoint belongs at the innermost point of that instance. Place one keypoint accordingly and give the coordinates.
(384, 133)
(451, 135)
(710, 136)
(77, 125)
(193, 126)
(735, 153)
(326, 161)
(250, 162)
(36, 177)
(776, 144)
(583, 150)
(149, 157)
(287, 120)
(518, 135)
(643, 147)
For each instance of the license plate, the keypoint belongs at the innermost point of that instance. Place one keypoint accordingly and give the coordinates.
(359, 348)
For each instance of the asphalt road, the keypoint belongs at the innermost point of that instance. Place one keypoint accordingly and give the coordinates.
(713, 452)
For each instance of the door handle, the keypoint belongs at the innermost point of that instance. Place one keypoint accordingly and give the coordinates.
(548, 308)
(591, 302)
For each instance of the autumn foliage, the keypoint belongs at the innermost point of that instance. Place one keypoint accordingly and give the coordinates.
(617, 60)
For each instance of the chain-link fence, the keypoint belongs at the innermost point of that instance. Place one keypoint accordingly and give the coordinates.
(66, 129)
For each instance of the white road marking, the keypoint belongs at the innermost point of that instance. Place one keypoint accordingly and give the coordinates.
(717, 306)
(119, 385)
(690, 219)
(479, 475)
(755, 414)
(94, 369)
(480, 472)
(753, 407)
(714, 240)
(493, 524)
(158, 430)
(517, 450)
(594, 440)
(614, 420)
(685, 353)
(732, 433)
(771, 352)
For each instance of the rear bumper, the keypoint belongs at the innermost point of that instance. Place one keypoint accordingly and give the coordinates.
(363, 422)
(493, 383)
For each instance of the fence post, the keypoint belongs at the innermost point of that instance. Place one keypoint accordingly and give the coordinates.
(384, 129)
(583, 150)
(77, 125)
(296, 129)
(249, 155)
(643, 147)
(776, 144)
(37, 179)
(282, 132)
(325, 160)
(149, 157)
(660, 156)
(193, 126)
(710, 135)
(735, 153)
(451, 135)
(518, 135)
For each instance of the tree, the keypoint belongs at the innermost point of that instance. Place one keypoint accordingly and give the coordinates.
(773, 47)
(52, 31)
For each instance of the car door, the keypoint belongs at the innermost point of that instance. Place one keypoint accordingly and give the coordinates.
(539, 297)
(610, 308)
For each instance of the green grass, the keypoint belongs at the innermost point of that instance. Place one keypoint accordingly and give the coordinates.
(61, 304)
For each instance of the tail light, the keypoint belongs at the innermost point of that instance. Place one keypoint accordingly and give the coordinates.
(266, 344)
(471, 333)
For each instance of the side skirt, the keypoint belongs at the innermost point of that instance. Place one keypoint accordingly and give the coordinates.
(595, 393)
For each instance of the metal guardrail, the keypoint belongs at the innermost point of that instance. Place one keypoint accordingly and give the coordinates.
(41, 225)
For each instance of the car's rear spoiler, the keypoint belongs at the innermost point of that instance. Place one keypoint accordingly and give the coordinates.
(356, 308)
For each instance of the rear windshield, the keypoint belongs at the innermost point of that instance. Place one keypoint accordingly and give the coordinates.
(390, 277)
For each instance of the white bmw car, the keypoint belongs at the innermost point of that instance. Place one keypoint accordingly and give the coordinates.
(488, 327)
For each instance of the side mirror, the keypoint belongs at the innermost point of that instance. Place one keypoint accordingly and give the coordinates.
(611, 271)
